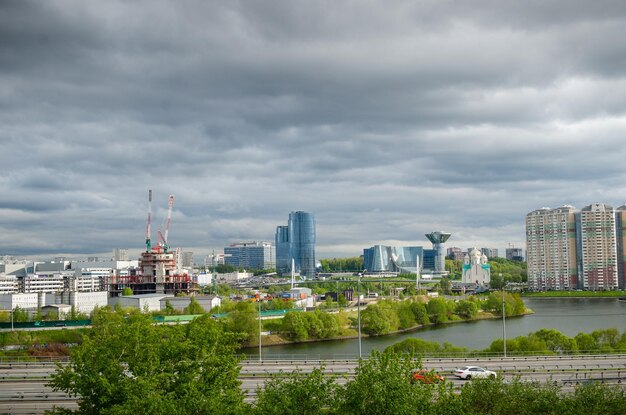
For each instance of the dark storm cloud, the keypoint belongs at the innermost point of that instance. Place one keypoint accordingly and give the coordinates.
(385, 119)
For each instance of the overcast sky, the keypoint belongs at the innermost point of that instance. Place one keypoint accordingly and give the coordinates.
(386, 119)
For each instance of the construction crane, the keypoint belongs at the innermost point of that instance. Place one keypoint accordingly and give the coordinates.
(148, 243)
(167, 224)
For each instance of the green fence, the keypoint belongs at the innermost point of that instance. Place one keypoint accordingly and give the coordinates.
(45, 324)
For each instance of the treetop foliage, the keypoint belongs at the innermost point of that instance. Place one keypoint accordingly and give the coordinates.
(130, 365)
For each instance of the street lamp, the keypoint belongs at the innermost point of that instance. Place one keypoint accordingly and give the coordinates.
(358, 302)
(503, 316)
(260, 350)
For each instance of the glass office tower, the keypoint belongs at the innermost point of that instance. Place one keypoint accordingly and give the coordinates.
(283, 250)
(302, 242)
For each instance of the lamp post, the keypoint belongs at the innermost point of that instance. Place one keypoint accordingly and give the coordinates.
(358, 302)
(260, 350)
(503, 316)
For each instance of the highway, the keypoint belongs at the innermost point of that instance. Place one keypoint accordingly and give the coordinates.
(23, 385)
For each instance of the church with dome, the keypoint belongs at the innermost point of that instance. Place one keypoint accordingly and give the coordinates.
(476, 269)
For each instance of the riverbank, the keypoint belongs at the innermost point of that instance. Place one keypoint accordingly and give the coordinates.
(574, 294)
(277, 340)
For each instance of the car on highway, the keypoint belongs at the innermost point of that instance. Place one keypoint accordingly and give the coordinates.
(426, 376)
(472, 372)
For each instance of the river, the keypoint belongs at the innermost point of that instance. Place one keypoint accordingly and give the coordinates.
(570, 316)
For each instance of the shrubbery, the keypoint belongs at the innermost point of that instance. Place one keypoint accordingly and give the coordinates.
(381, 386)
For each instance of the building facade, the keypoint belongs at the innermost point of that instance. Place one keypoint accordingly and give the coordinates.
(251, 255)
(551, 249)
(476, 269)
(383, 258)
(120, 254)
(514, 254)
(438, 238)
(570, 249)
(620, 228)
(283, 256)
(597, 247)
(456, 253)
(302, 239)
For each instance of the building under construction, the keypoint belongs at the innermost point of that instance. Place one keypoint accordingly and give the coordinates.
(158, 272)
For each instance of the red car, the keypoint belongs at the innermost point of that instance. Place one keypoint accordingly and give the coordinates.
(426, 376)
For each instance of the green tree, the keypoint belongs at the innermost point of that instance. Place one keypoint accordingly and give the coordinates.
(330, 325)
(298, 394)
(295, 326)
(127, 291)
(414, 347)
(486, 396)
(586, 343)
(381, 386)
(20, 315)
(5, 316)
(379, 319)
(556, 341)
(130, 365)
(437, 310)
(420, 313)
(225, 269)
(444, 286)
(341, 300)
(169, 309)
(243, 319)
(194, 307)
(315, 326)
(466, 309)
(406, 318)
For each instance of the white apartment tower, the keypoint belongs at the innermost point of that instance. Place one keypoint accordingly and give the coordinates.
(551, 249)
(597, 245)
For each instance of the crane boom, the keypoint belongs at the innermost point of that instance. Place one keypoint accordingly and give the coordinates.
(169, 220)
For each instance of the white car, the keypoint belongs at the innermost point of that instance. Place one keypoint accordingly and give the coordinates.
(470, 372)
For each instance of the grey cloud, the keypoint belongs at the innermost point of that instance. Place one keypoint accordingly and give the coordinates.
(386, 119)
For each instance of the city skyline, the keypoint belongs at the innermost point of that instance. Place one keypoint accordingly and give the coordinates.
(386, 120)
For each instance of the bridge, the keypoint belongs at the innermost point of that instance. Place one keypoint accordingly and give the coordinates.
(23, 384)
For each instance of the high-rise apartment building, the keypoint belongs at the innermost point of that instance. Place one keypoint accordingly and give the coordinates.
(620, 228)
(302, 242)
(571, 249)
(488, 252)
(456, 253)
(251, 255)
(597, 247)
(551, 249)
